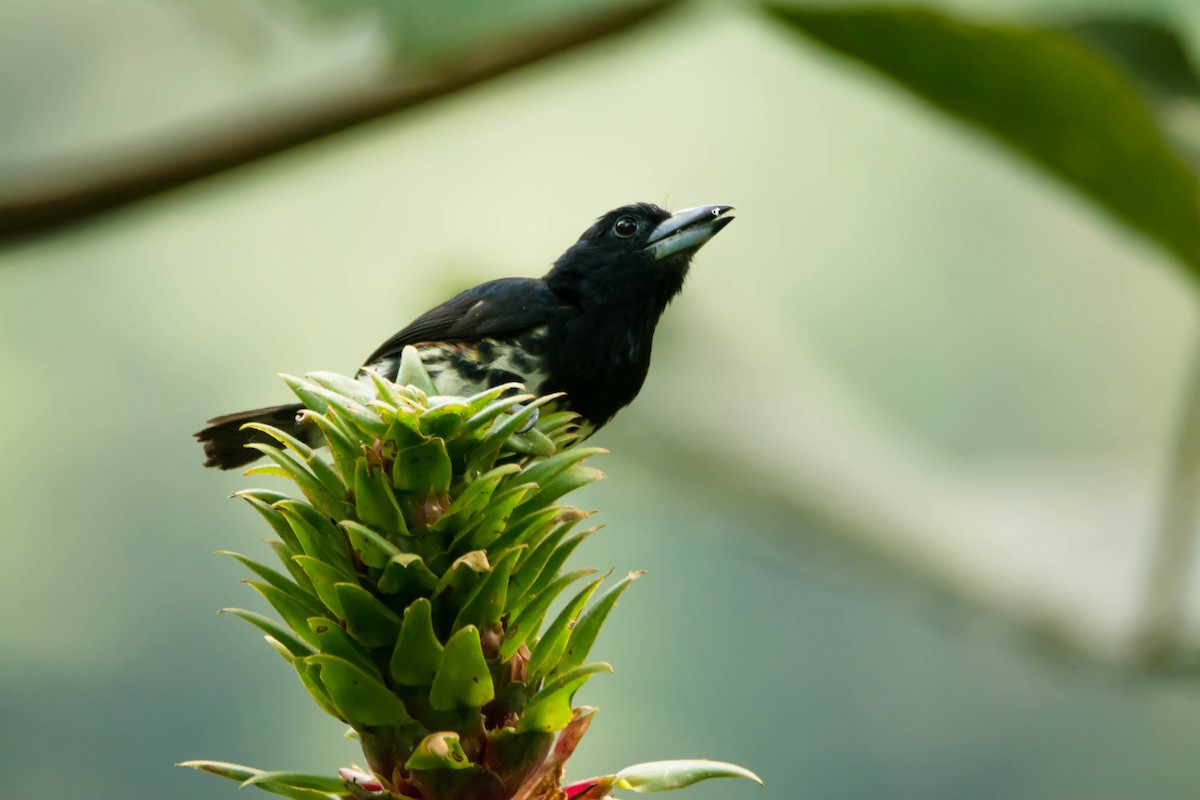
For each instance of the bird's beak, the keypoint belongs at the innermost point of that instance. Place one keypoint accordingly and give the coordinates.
(687, 230)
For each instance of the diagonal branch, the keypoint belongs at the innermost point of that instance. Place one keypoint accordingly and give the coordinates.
(1159, 640)
(78, 192)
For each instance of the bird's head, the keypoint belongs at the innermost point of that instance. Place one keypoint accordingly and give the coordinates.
(636, 251)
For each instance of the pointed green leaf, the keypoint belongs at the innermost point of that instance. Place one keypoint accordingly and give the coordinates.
(287, 440)
(300, 472)
(464, 574)
(418, 653)
(357, 415)
(272, 628)
(341, 444)
(531, 442)
(358, 391)
(550, 709)
(527, 623)
(324, 578)
(423, 468)
(542, 472)
(280, 648)
(486, 605)
(406, 573)
(334, 641)
(262, 501)
(362, 698)
(369, 621)
(301, 595)
(548, 651)
(317, 535)
(555, 563)
(485, 453)
(443, 418)
(372, 548)
(441, 750)
(485, 399)
(658, 776)
(480, 420)
(583, 635)
(474, 498)
(304, 392)
(321, 469)
(310, 676)
(293, 613)
(544, 564)
(529, 531)
(284, 553)
(412, 371)
(240, 773)
(569, 480)
(374, 501)
(482, 533)
(298, 780)
(462, 679)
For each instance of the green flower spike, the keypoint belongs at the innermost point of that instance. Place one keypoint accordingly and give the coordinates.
(421, 558)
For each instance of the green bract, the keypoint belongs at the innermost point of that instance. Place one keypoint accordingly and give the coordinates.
(421, 561)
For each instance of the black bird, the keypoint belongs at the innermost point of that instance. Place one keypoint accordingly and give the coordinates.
(585, 328)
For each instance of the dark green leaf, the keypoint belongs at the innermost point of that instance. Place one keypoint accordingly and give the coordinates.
(555, 563)
(569, 480)
(293, 613)
(372, 548)
(583, 635)
(369, 621)
(527, 623)
(284, 553)
(362, 698)
(474, 498)
(374, 501)
(462, 679)
(481, 534)
(324, 577)
(298, 780)
(317, 535)
(1055, 100)
(418, 652)
(407, 574)
(550, 709)
(423, 469)
(334, 641)
(542, 472)
(486, 605)
(310, 676)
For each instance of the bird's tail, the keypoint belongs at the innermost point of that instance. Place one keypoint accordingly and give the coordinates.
(225, 442)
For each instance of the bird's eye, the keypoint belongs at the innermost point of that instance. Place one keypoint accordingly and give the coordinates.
(625, 227)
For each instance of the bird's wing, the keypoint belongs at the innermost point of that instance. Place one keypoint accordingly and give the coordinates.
(494, 309)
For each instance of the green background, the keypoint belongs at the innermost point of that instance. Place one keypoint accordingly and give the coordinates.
(976, 305)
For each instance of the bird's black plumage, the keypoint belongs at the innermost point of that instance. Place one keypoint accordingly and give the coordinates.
(585, 328)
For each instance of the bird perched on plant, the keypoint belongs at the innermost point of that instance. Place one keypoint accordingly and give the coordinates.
(585, 328)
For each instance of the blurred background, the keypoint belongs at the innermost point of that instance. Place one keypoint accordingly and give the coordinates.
(913, 473)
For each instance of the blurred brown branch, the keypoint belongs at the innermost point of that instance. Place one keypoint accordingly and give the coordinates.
(1160, 640)
(71, 194)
